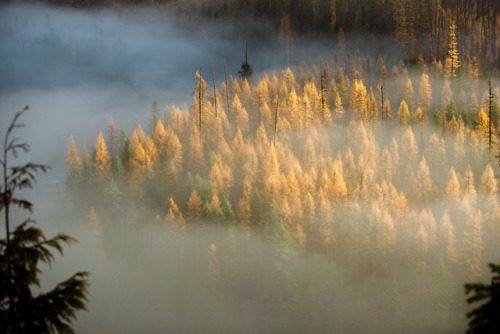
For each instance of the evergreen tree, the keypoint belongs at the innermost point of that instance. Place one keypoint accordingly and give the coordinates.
(486, 317)
(22, 251)
(74, 163)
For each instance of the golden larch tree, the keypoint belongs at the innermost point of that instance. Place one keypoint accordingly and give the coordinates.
(102, 157)
(194, 205)
(74, 163)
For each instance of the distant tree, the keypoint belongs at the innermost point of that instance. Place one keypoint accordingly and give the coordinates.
(21, 252)
(358, 99)
(241, 115)
(425, 94)
(381, 69)
(371, 107)
(453, 187)
(387, 112)
(102, 157)
(486, 317)
(246, 70)
(452, 62)
(194, 205)
(403, 113)
(74, 163)
(112, 142)
(338, 111)
(408, 93)
(473, 246)
(448, 241)
(244, 212)
(200, 91)
(489, 183)
(155, 115)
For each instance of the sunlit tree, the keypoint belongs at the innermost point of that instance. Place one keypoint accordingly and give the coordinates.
(102, 157)
(74, 163)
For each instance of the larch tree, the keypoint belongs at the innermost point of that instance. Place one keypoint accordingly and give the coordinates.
(358, 99)
(468, 183)
(472, 246)
(452, 189)
(240, 114)
(489, 183)
(338, 110)
(425, 94)
(194, 206)
(381, 70)
(102, 157)
(452, 61)
(448, 241)
(200, 92)
(243, 211)
(387, 112)
(408, 93)
(196, 156)
(74, 163)
(404, 113)
(426, 188)
(112, 142)
(371, 107)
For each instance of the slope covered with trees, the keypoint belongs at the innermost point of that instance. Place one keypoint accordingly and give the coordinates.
(386, 175)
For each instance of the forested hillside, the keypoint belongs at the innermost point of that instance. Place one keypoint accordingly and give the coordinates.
(420, 27)
(378, 172)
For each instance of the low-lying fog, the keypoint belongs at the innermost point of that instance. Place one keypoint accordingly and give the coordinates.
(76, 69)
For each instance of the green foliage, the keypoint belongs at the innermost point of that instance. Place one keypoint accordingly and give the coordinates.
(451, 110)
(23, 250)
(467, 120)
(48, 312)
(436, 118)
(202, 186)
(486, 317)
(277, 231)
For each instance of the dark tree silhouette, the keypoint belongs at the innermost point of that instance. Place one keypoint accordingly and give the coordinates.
(246, 70)
(21, 252)
(486, 317)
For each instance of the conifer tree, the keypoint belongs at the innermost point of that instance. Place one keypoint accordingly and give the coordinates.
(194, 205)
(472, 246)
(403, 113)
(452, 190)
(486, 317)
(381, 70)
(74, 163)
(425, 94)
(358, 99)
(112, 142)
(200, 91)
(22, 251)
(338, 111)
(244, 212)
(489, 183)
(447, 233)
(452, 61)
(371, 106)
(102, 157)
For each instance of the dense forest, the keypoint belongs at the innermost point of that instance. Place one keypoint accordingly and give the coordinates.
(345, 161)
(352, 191)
